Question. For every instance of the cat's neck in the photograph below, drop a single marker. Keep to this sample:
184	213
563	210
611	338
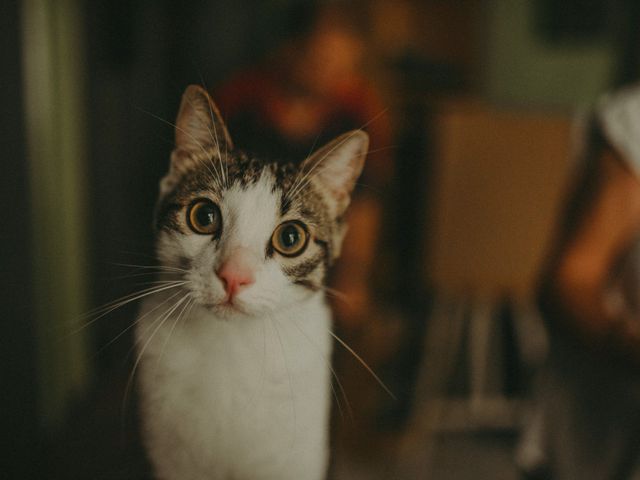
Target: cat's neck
202	336
202	321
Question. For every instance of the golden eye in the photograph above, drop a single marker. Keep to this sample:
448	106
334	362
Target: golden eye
290	238
203	217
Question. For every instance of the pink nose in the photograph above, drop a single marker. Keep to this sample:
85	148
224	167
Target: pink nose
236	272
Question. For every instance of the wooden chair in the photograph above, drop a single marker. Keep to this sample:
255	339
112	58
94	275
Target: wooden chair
498	185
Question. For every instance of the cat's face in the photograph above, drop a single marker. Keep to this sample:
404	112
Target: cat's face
250	237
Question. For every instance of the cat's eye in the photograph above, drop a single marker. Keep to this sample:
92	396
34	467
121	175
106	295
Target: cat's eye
290	238
203	217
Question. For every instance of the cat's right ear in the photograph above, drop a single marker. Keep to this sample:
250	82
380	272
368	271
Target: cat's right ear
199	124
199	127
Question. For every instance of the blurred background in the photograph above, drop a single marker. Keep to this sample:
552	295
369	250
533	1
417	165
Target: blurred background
470	104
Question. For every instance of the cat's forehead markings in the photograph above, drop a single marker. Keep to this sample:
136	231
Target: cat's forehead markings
246	170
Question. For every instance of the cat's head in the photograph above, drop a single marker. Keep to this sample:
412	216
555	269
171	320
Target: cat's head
250	236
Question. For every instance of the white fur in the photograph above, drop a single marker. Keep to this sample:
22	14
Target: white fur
231	394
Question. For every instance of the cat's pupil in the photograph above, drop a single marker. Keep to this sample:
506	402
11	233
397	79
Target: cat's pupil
290	236
206	215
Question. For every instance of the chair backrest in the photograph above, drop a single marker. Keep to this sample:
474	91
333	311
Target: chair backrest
499	177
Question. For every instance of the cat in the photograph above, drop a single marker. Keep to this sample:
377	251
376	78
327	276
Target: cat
234	355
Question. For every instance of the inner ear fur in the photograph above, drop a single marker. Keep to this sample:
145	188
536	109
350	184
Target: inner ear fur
199	127
199	124
335	168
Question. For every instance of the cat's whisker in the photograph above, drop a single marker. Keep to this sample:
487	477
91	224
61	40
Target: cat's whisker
115	305
128	296
167	312
152	267
298	185
160	282
333	372
337	400
311	174
226	164
149	270
160	321
306	180
286	366
188	304
145	274
297	177
146	328
137	255
262	365
382	149
332	292
302	183
181	130
214	137
219	174
133	324
192	137
363	363
311	150
369	188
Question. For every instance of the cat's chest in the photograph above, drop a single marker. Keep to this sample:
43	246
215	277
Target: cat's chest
241	388
225	362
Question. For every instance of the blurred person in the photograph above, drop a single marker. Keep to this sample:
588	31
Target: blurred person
310	90
586	422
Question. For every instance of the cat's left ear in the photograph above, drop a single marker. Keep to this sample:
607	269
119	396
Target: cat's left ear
335	168
199	123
